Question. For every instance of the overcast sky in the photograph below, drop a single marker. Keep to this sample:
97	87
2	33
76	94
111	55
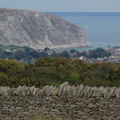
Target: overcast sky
63	5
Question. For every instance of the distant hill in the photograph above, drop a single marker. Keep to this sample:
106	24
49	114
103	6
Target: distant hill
84	13
38	30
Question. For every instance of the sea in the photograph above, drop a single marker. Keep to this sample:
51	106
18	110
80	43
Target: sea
101	29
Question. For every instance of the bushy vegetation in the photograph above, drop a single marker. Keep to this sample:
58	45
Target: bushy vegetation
54	71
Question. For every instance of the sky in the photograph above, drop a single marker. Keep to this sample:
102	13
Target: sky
63	5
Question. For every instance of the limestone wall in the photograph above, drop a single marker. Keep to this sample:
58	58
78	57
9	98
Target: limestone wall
75	103
63	90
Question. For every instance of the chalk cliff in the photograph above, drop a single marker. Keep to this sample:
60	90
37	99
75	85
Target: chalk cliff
38	30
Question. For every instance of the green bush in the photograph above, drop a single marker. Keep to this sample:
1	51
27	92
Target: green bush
4	80
54	71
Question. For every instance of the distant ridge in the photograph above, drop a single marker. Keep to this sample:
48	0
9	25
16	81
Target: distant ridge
84	13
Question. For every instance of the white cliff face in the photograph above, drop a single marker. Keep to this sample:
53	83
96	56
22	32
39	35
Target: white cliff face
38	30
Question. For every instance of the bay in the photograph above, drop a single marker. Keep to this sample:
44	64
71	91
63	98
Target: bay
101	31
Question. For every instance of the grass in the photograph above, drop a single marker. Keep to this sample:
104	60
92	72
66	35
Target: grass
12	47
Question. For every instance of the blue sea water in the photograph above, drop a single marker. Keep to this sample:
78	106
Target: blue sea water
101	29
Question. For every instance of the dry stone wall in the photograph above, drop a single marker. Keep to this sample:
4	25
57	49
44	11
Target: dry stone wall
75	103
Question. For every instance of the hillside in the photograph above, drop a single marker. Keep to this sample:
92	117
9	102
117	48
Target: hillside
38	30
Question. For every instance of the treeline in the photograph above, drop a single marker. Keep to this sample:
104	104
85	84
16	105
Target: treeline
18	53
26	53
95	53
54	71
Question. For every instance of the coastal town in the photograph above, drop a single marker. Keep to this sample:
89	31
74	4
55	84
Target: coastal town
29	55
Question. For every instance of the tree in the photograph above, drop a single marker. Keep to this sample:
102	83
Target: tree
64	54
19	55
4	79
43	54
27	49
72	51
34	54
11	66
7	53
98	53
46	49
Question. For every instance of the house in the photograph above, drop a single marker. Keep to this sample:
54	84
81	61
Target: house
115	58
8	50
